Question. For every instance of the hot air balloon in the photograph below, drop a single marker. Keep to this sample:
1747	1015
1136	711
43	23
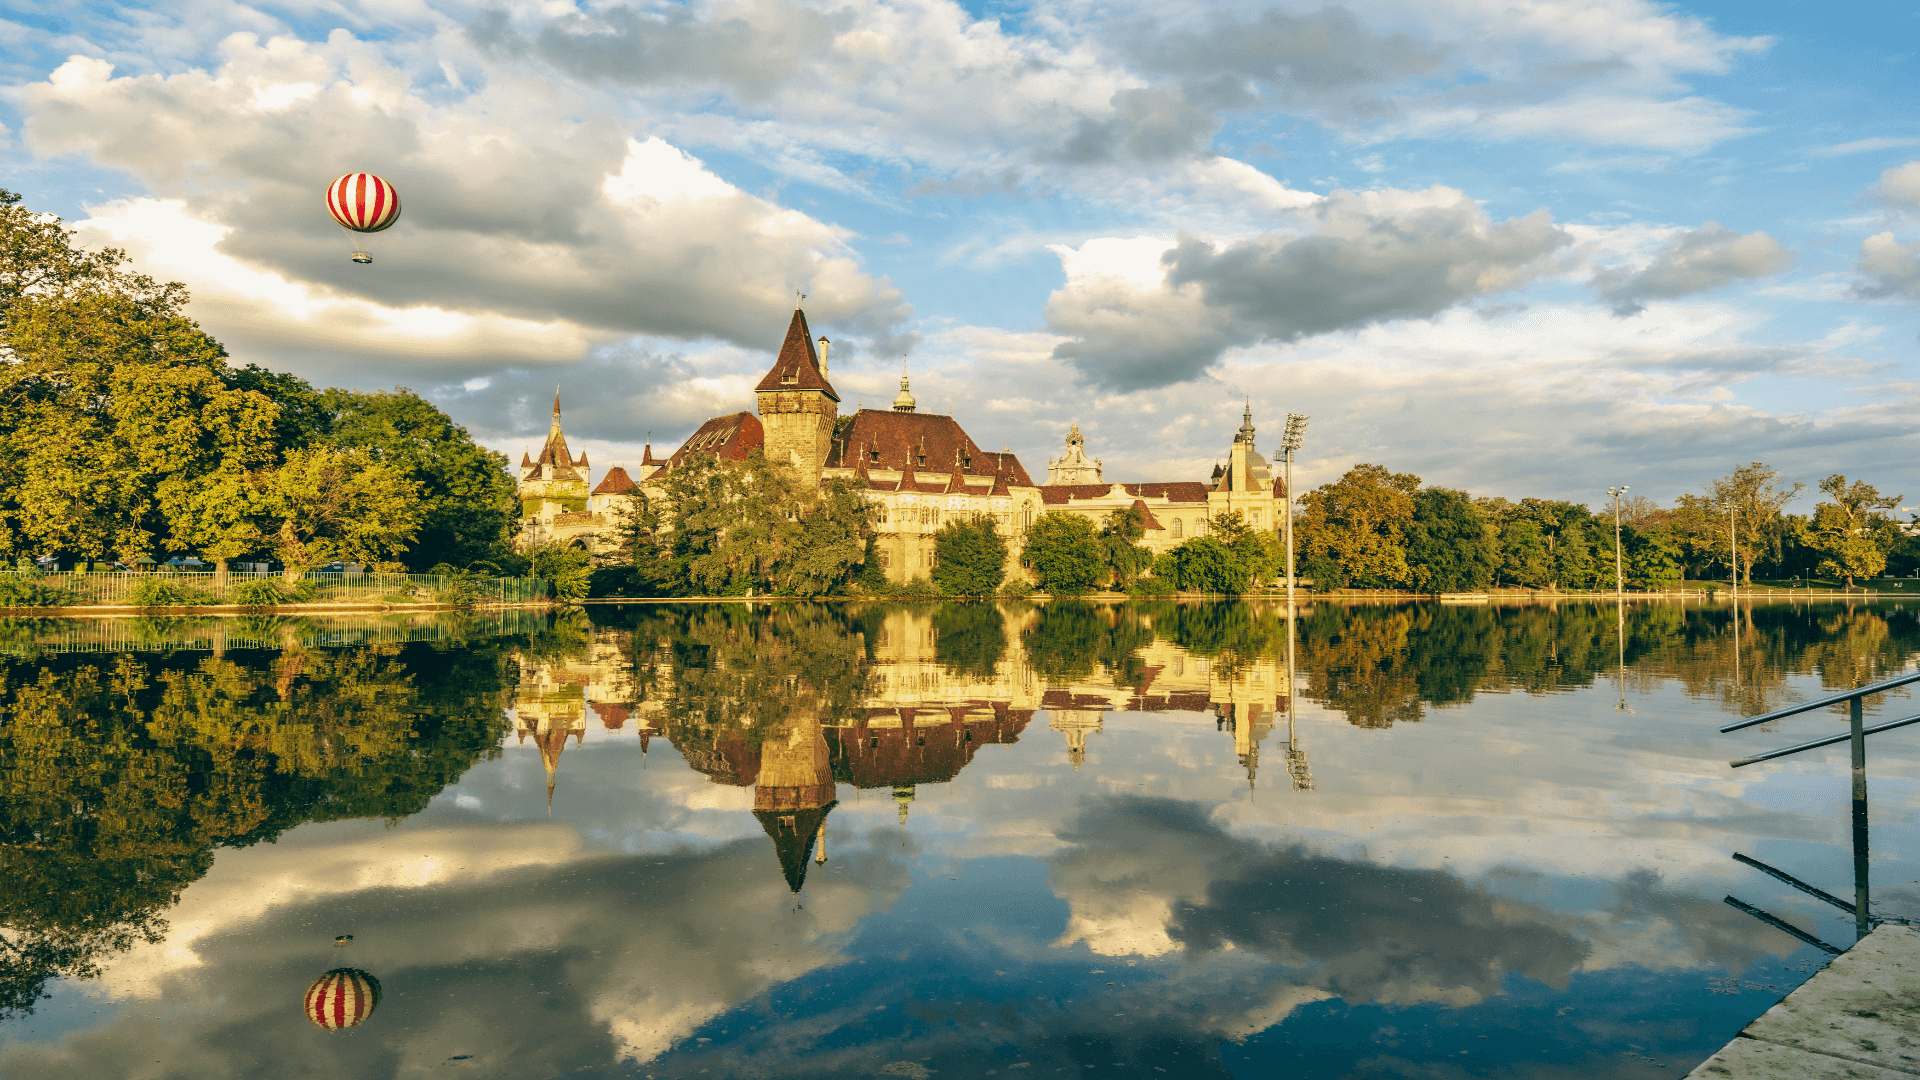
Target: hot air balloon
363	203
342	997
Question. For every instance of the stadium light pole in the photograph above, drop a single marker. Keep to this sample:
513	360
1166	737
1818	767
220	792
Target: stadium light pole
1289	442
1619	599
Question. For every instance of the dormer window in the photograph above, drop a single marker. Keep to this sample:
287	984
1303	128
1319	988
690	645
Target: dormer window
792	376
873	455
922	459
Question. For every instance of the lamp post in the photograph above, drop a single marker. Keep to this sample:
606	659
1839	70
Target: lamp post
1290	441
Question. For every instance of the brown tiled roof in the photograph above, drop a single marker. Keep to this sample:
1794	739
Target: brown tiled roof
902	440
1177	491
615	482
732	436
554	452
1151	522
612	715
798	366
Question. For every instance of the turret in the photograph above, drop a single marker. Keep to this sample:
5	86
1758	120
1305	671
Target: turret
798	406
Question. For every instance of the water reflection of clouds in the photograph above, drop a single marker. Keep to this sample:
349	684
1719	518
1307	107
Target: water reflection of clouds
530	969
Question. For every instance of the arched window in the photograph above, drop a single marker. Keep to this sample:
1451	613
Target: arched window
1026	519
1177	534
1200	526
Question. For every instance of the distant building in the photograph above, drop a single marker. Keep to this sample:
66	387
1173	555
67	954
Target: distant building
923	469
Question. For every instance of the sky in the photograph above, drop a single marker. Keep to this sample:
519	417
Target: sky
1519	248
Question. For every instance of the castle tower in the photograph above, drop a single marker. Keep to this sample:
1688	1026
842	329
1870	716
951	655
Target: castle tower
556	481
798	406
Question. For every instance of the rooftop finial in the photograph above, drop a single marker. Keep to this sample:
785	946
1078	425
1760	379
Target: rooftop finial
798	299
1246	424
905	402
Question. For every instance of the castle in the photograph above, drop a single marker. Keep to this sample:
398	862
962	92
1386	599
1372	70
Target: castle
919	469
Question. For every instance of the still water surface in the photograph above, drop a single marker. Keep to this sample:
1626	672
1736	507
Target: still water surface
928	841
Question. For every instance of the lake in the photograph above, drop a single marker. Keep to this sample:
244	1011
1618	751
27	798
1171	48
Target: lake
959	840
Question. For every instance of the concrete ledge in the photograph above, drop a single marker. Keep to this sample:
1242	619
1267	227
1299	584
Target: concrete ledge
1858	1017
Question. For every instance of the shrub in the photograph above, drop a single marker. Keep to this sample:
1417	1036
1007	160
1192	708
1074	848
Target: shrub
918	589
1150	586
259	593
1016	587
32	589
1206	565
157	591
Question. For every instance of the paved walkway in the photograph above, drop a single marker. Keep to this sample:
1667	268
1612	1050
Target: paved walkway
1859	1017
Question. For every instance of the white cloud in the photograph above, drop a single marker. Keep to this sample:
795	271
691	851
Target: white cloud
1888	269
1900	185
1710	257
1358	258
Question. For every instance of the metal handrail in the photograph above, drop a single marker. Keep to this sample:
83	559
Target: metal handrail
1821	703
1828	741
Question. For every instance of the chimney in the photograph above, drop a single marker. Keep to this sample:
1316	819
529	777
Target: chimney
824	345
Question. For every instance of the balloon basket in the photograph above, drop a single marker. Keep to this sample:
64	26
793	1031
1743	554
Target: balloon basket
363	256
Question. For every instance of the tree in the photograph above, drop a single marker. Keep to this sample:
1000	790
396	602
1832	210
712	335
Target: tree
326	504
467	496
970	557
1652	558
1356	522
1448	543
1853	532
826	546
723	523
567	570
1256	550
1204	564
1064	552
970	639
1120	536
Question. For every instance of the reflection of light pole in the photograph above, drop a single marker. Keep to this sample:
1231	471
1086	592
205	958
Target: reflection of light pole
1296	757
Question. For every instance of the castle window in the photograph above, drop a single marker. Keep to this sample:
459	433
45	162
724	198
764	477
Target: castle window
1026	519
1256	519
1199	526
886	562
1177	529
873	455
921	459
792	376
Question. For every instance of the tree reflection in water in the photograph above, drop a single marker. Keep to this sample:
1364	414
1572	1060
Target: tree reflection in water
125	774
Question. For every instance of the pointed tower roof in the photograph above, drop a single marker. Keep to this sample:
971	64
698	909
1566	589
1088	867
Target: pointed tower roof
798	365
1245	434
555	452
794	842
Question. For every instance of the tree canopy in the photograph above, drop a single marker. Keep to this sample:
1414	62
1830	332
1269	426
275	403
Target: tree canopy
125	433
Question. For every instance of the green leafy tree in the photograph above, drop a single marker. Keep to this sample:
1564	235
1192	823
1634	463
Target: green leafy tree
567	570
1064	552
970	557
1357	522
325	504
1120	536
467	496
1853	532
824	544
1448	543
1204	564
1652	557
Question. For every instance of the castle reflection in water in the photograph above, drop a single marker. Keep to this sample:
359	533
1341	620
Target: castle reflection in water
913	718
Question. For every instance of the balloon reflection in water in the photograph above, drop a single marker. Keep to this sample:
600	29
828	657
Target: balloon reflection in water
342	997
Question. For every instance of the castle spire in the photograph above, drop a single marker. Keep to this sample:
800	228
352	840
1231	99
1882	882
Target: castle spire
905	402
1246	425
554	428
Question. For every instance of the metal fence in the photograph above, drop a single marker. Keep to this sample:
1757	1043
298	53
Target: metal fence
170	588
31	636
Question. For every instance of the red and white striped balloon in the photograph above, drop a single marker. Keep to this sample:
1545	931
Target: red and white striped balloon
342	997
363	202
